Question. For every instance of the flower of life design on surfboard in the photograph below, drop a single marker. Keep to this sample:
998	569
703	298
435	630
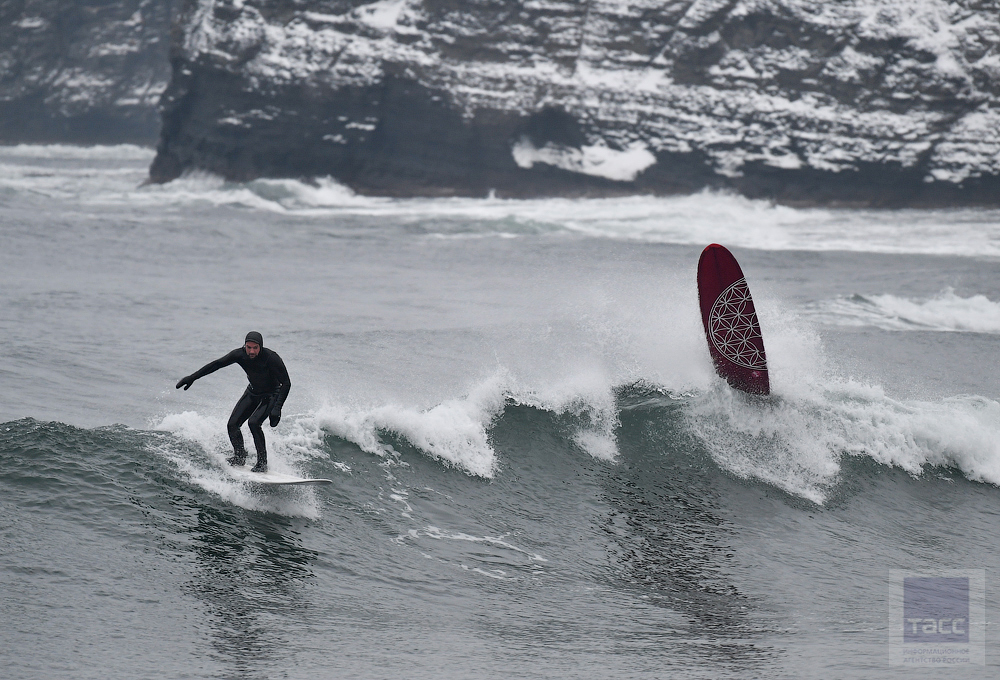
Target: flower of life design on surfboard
734	327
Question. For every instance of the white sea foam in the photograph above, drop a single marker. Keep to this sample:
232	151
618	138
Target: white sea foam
692	220
454	431
587	396
457	431
945	311
796	439
207	470
87	181
116	152
797	443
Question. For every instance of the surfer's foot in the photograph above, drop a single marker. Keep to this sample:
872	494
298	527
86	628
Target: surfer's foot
259	467
237	460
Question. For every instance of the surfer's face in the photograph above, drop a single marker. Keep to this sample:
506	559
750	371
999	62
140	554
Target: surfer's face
252	349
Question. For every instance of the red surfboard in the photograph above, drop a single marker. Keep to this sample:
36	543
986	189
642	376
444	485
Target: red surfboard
731	326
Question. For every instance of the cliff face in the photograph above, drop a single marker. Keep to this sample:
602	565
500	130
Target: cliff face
82	71
863	102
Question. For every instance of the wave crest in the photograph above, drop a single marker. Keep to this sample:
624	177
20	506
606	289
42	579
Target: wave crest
946	311
796	443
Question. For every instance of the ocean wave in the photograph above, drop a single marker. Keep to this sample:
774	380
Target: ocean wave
797	439
946	311
457	431
115	152
104	177
694	219
797	442
454	431
680	219
205	465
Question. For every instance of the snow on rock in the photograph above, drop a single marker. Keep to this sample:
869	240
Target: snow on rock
82	72
854	102
597	160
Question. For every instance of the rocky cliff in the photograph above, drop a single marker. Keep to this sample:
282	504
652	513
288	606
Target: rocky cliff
858	102
82	71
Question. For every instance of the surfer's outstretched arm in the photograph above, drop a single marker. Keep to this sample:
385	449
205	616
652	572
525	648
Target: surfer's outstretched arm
211	367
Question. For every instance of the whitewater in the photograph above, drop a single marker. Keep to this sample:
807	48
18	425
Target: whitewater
536	471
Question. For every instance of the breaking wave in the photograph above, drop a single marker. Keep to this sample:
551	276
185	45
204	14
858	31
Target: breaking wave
946	311
105	177
115	152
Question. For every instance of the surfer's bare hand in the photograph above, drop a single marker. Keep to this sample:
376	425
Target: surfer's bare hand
185	382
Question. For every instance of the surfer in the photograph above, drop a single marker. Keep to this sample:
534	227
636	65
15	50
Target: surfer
263	398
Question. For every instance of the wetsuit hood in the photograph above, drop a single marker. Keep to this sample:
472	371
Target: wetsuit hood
254	336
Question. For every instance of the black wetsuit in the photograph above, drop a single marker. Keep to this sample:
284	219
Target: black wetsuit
268	389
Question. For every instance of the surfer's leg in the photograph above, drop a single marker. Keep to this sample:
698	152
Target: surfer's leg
244	407
256	423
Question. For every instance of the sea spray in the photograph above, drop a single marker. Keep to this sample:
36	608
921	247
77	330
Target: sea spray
796	441
454	431
457	431
205	465
765	439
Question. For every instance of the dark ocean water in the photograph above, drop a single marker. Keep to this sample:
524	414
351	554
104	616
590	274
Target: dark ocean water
536	472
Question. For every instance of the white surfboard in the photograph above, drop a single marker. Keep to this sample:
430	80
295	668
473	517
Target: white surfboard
271	478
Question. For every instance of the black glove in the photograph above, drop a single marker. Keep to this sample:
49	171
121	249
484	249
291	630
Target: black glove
275	417
185	382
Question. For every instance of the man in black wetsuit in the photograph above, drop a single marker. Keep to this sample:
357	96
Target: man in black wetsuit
268	389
